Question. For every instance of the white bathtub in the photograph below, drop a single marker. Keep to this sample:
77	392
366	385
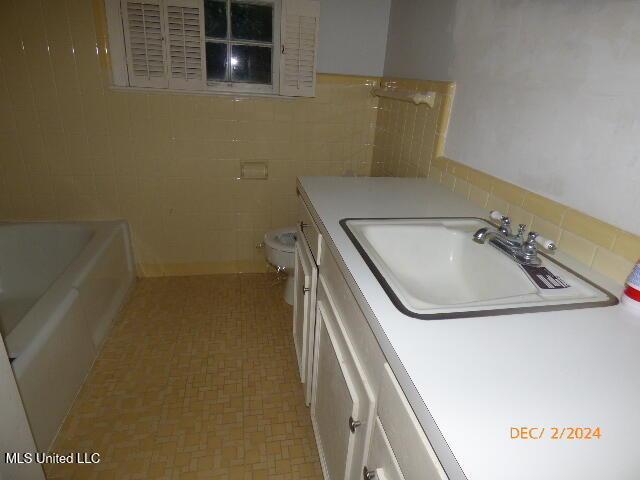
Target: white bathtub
61	285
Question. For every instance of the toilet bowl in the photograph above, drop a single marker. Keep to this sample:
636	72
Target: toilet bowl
279	247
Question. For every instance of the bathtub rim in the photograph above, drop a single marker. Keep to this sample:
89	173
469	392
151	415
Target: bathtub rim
31	326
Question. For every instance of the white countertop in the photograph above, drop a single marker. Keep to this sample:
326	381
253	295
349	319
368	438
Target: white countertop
471	380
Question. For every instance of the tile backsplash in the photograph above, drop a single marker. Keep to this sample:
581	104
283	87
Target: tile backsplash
74	148
605	248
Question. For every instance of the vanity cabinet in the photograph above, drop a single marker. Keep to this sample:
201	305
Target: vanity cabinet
363	422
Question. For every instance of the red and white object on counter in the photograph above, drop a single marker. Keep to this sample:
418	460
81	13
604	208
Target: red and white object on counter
631	294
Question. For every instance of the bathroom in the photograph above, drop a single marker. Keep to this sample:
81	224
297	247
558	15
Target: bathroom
217	247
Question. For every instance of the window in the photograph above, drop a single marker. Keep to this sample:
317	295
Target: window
242	46
239	39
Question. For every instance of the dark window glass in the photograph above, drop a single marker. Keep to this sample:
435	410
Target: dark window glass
250	63
216	61
215	14
252	22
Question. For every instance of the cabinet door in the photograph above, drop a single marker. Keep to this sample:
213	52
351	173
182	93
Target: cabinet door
342	401
306	275
302	282
381	459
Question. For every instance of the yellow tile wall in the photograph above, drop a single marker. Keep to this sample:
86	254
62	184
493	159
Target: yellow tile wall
409	136
402	126
72	148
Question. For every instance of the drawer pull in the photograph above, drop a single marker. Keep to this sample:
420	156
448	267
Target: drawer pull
304	225
368	474
306	289
353	424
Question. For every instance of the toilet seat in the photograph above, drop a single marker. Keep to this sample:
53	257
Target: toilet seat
282	239
279	248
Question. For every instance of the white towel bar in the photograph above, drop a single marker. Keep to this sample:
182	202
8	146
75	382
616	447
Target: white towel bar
416	98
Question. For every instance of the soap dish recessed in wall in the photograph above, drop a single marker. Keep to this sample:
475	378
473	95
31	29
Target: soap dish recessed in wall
254	171
417	98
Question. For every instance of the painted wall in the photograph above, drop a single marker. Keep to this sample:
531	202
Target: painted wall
547	92
71	148
420	39
353	36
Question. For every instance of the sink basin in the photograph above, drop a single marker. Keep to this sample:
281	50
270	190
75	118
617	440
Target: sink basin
431	268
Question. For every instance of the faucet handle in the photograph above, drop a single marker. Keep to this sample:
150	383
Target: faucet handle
505	222
529	245
522	227
545	243
505	226
495	215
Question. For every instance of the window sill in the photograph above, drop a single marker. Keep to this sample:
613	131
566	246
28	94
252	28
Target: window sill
172	91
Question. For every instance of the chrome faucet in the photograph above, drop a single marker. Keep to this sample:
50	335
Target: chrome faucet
522	250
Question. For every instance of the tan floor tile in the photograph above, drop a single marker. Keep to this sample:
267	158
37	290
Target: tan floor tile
197	380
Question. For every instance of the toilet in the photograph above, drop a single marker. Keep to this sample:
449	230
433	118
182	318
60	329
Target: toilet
279	247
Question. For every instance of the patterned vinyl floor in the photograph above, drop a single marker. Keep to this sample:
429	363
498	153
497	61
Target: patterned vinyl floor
197	380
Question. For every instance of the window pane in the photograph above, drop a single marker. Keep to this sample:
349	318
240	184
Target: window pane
250	64
216	61
215	14
252	22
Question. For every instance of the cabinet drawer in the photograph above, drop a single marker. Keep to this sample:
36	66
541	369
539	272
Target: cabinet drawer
410	445
309	230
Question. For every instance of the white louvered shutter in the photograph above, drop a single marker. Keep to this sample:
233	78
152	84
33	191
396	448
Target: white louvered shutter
299	38
185	35
144	32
